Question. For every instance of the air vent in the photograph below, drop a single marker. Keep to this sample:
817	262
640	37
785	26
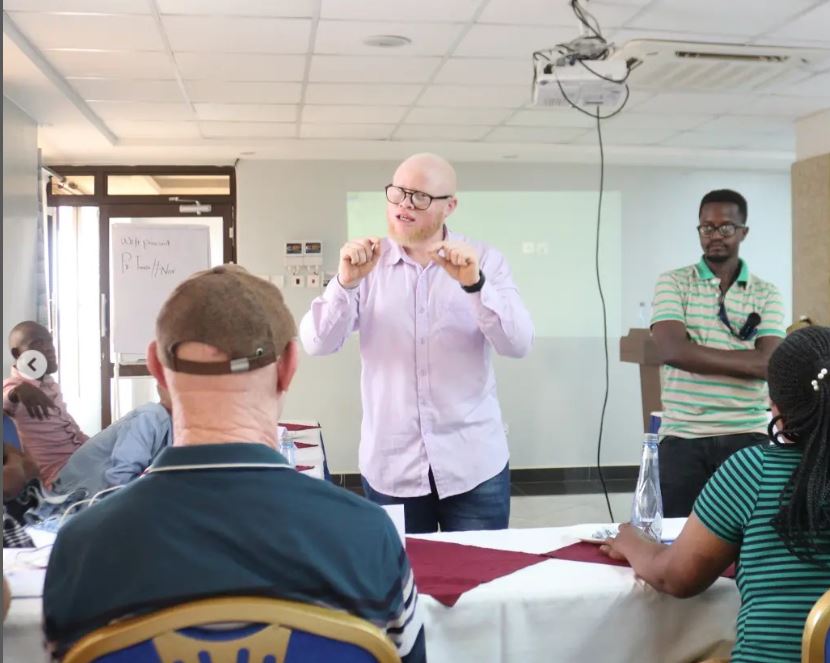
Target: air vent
702	67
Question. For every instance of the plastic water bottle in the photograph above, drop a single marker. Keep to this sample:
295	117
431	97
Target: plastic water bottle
288	450
647	509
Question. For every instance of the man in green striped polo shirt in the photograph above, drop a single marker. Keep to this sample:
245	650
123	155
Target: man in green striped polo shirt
715	326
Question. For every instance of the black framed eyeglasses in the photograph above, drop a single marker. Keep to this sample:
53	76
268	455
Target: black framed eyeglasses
724	230
420	200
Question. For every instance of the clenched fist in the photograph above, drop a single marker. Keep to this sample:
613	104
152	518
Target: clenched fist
459	260
358	257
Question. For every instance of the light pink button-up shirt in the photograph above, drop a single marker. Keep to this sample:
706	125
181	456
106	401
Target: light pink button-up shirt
428	386
51	441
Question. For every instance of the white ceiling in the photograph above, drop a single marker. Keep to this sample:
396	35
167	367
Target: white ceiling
124	81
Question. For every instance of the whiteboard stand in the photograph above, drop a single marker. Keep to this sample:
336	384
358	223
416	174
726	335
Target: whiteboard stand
116	390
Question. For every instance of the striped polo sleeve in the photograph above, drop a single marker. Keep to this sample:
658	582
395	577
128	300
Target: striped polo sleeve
772	316
667	303
726	503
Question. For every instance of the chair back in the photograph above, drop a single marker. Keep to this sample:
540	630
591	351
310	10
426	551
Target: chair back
10	435
815	645
237	630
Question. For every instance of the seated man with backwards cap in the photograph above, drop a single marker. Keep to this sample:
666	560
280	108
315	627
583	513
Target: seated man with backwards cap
220	513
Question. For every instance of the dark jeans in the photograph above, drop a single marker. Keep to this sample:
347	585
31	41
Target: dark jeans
687	463
487	506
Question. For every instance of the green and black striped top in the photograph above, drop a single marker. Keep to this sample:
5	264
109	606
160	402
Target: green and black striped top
702	405
777	589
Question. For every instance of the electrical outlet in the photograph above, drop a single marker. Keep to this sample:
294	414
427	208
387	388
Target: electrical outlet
297	281
542	249
313	281
528	247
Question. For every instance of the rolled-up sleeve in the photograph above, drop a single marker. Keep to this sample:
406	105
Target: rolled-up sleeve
137	445
502	316
331	318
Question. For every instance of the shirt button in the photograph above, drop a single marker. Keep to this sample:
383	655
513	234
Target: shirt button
423	340
422	310
423	374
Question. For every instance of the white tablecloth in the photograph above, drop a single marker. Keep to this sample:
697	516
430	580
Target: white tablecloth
551	612
573	612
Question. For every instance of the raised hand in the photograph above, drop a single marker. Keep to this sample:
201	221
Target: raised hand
358	257
37	403
459	260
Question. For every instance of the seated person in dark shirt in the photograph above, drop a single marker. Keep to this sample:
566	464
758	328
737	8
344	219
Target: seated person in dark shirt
220	513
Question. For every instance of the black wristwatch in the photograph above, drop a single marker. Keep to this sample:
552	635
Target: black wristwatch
478	285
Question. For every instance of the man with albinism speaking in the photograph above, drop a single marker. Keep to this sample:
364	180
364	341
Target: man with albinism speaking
430	306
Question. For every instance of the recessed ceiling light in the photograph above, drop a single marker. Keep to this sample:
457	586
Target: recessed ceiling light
387	41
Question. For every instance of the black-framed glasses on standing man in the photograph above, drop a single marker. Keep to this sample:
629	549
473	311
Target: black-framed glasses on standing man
420	200
724	230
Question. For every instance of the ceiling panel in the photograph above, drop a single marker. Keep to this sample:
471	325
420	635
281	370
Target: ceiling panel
626	136
151	65
493	96
230	92
551	117
248	129
365	131
400	10
241	66
769	141
812	86
284	8
126	110
632	120
439	132
138	129
346	37
352	114
350	93
624	35
748	123
815	24
109	89
237	35
485	71
784	106
105	6
485	116
723	140
90	31
247	112
545	12
355	69
689	103
534	135
512	42
744	17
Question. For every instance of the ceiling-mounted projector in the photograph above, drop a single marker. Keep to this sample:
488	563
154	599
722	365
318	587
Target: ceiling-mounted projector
598	84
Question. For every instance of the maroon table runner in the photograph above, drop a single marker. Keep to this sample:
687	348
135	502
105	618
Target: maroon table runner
445	570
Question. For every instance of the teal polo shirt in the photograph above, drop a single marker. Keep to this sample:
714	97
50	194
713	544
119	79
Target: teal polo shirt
239	521
697	405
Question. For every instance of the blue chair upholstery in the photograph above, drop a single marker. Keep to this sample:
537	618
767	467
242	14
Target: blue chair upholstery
10	435
237	630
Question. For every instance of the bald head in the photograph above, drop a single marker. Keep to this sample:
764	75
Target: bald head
427	172
24	333
30	335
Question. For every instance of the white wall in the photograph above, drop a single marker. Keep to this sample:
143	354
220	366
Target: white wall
20	209
551	400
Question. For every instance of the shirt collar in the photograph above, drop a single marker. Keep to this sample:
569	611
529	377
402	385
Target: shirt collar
46	380
394	252
705	273
217	454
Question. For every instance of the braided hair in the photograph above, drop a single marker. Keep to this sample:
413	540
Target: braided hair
799	385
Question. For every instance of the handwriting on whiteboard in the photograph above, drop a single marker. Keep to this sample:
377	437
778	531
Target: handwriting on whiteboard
152	266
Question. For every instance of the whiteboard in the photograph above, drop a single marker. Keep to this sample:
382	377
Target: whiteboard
147	261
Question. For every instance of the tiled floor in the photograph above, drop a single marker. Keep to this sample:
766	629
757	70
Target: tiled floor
561	510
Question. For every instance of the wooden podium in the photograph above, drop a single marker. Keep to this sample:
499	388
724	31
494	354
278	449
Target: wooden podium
637	347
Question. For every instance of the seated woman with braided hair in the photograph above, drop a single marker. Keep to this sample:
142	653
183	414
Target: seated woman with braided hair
767	508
